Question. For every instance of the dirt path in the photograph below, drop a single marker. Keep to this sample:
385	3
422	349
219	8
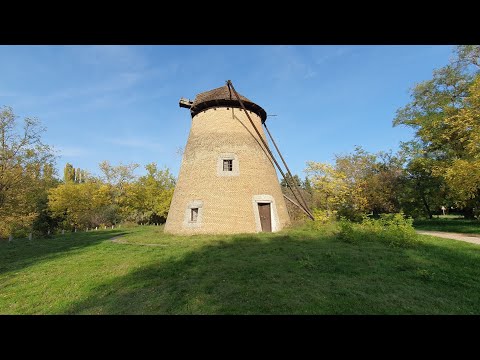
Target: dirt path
471	238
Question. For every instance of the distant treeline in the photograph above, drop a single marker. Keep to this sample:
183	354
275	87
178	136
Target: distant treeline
34	199
438	169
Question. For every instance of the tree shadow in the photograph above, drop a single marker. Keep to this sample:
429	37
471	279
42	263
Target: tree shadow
21	253
296	274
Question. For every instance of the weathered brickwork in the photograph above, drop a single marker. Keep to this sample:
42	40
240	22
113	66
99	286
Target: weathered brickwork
226	200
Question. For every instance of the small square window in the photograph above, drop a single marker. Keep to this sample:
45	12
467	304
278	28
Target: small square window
227	165
193	214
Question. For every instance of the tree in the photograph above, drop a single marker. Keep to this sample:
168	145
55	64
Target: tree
292	181
294	211
358	183
330	186
118	178
68	173
26	165
118	175
420	191
444	112
149	198
87	204
462	173
307	186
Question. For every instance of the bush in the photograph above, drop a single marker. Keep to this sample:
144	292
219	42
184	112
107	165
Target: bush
347	232
394	229
322	218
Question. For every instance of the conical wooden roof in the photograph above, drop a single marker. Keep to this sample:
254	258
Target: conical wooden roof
224	96
221	93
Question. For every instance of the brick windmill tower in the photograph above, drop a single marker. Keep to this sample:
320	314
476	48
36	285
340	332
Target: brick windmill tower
227	181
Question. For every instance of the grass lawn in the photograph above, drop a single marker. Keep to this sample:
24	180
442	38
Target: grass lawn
292	272
453	224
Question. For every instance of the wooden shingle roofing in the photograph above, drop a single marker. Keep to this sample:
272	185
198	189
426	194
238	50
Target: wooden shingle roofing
224	97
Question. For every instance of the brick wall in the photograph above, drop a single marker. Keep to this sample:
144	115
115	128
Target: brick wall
226	200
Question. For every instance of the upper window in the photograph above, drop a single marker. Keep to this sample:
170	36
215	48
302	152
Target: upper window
194	214
227	165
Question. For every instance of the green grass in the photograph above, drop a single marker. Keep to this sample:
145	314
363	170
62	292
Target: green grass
299	271
452	224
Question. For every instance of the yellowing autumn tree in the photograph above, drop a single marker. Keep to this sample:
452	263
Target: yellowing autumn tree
81	205
462	174
26	172
331	190
149	198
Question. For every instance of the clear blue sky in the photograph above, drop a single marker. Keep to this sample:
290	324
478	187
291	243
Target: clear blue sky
120	103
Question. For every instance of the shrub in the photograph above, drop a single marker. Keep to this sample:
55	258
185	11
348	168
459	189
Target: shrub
347	232
394	229
324	220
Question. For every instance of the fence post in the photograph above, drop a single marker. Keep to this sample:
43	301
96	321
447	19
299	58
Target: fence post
63	231
112	227
96	228
30	236
10	237
75	229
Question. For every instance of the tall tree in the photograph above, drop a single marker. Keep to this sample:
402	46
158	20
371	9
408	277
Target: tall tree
68	173
24	162
118	178
444	114
292	181
420	192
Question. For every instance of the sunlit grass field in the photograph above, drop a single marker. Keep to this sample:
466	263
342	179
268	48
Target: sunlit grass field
296	271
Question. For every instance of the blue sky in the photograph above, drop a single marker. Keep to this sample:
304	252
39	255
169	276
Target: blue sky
120	103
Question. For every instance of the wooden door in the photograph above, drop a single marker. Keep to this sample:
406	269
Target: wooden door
265	217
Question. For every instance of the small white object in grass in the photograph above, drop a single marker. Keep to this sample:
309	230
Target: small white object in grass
96	228
48	232
10	237
30	236
63	231
75	229
112	227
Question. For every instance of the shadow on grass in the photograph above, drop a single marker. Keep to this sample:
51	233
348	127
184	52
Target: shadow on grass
22	253
297	274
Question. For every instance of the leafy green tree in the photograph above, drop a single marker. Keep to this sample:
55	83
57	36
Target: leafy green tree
295	180
444	114
307	186
421	193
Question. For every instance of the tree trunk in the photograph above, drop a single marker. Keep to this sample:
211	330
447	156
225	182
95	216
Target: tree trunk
468	213
425	203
